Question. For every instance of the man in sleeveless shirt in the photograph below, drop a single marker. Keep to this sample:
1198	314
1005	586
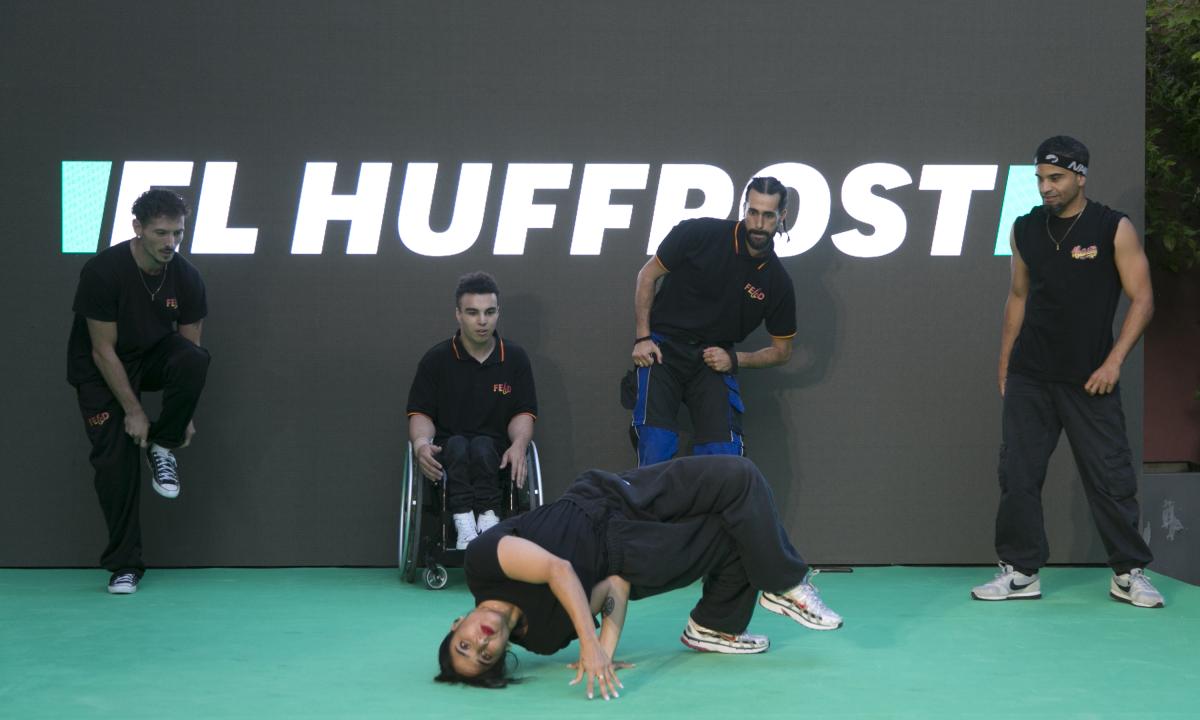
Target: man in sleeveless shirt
720	280
138	309
1059	370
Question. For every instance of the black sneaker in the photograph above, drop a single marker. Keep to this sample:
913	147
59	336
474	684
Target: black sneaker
123	583
164	475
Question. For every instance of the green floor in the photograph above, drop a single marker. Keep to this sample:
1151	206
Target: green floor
350	643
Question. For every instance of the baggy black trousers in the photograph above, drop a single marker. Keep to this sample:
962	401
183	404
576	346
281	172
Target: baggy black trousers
472	467
1035	415
710	517
178	368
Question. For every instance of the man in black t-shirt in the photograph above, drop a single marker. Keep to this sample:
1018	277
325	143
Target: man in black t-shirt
138	309
720	279
471	410
1059	367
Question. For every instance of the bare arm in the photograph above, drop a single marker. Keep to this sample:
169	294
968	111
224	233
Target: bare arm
610	598
191	331
520	433
1014	309
779	352
420	433
1134	270
646	353
527	562
104	354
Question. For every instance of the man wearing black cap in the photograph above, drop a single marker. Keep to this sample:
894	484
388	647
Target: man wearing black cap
1059	368
720	279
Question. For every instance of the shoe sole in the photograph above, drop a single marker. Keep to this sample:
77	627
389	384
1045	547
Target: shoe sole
1128	600
787	611
122	591
160	489
705	646
1015	596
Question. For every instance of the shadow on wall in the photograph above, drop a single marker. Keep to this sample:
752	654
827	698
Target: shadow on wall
765	392
525	314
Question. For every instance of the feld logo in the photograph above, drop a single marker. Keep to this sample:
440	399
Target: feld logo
502	388
754	292
85	197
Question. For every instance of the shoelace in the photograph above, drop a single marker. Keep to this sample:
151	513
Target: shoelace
164	467
812	600
1138	581
125	579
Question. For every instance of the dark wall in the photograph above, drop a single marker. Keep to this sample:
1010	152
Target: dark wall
880	436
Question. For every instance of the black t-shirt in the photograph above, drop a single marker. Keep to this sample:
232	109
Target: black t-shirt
1074	290
715	291
112	288
563	529
463	396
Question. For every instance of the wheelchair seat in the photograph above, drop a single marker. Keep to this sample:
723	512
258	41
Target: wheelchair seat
427	535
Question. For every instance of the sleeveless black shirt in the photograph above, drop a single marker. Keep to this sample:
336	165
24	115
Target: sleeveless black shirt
1074	290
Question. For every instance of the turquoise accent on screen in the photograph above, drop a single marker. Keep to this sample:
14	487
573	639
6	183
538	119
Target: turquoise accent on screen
84	190
1020	195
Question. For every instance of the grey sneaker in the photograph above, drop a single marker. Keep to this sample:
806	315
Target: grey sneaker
802	604
698	637
123	583
1134	588
164	474
1009	585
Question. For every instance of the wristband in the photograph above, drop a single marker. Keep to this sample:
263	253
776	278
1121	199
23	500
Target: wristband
643	339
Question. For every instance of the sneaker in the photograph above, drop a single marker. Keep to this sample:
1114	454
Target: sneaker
464	523
487	521
1009	584
802	604
164	476
1134	588
698	637
123	583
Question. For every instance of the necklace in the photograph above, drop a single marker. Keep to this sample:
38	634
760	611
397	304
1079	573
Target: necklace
1058	243
162	282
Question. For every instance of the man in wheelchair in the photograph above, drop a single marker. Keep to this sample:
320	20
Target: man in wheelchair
471	410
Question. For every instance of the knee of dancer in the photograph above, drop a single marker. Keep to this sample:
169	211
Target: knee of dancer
655	444
194	361
455	446
481	447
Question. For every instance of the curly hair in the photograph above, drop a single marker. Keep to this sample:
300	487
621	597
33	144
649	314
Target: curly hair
159	203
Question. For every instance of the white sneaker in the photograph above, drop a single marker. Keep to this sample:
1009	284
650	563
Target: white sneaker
1134	588
1009	585
698	637
464	523
802	604
487	521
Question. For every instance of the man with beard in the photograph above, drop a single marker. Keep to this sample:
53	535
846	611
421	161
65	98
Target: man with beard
720	279
1059	367
138	308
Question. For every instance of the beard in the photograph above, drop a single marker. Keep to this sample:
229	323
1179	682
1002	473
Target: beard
759	240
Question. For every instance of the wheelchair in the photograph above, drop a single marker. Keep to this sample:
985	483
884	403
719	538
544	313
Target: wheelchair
427	534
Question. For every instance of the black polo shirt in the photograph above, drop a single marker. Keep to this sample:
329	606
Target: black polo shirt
146	309
715	291
463	396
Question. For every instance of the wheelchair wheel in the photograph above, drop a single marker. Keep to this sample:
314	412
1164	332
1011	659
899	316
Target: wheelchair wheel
410	519
533	483
436	577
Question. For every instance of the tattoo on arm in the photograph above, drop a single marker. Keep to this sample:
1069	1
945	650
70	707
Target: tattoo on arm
609	605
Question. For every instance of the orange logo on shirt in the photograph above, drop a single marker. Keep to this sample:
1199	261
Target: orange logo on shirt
754	292
502	388
171	303
98	419
1084	253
